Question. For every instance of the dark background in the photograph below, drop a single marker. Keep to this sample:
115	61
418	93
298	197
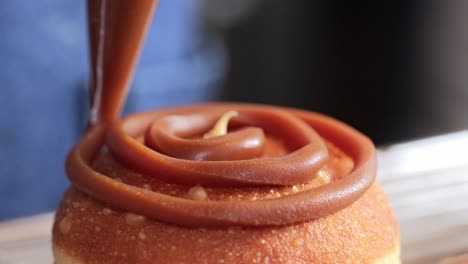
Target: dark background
358	61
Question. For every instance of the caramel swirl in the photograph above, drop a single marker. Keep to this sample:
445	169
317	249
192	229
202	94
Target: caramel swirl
169	145
210	168
169	134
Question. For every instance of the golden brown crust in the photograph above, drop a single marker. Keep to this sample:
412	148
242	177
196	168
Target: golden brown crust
364	232
63	257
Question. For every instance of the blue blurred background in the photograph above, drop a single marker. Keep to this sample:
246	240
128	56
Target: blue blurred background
44	95
395	70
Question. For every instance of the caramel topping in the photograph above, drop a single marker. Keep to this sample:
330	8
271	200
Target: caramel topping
230	160
305	149
173	136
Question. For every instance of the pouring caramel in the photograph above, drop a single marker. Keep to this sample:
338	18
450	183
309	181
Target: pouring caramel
117	29
221	145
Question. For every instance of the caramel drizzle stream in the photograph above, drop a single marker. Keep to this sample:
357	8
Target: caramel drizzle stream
117	29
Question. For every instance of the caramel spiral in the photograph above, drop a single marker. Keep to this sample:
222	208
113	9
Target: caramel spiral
167	145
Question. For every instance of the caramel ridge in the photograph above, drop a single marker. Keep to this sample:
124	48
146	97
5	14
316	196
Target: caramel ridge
169	136
302	206
300	166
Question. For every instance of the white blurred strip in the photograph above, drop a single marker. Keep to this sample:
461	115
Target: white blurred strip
430	154
33	227
427	183
26	240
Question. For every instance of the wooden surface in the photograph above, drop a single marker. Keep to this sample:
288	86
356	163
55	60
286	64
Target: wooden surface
426	180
